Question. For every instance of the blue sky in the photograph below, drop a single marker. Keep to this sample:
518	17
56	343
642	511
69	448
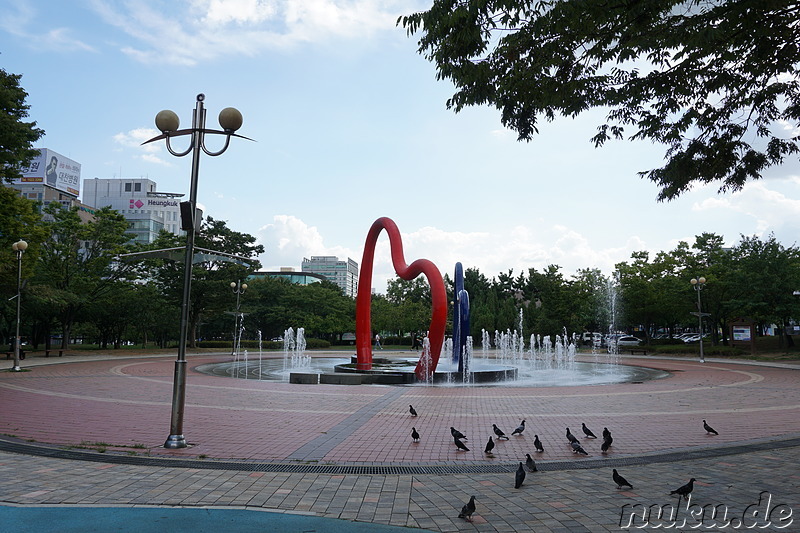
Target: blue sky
351	125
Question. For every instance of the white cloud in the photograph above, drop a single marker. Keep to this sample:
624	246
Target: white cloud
221	12
18	18
768	209
288	240
186	32
149	152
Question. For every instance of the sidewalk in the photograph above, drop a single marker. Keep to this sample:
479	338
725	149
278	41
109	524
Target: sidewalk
345	453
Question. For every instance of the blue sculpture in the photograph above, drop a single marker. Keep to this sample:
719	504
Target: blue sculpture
460	318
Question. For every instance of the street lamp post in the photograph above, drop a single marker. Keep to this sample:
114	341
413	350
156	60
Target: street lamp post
698	284
230	119
19	248
238	289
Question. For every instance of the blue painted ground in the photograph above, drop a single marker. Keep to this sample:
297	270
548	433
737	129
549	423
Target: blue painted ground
69	519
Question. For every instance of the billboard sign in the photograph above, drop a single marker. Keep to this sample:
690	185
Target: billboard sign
53	169
741	333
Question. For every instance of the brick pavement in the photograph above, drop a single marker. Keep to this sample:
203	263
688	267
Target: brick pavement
124	404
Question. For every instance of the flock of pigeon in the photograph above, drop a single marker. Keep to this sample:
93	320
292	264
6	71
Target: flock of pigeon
530	465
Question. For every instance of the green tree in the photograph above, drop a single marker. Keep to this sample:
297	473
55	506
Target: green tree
19	219
765	276
16	135
713	261
76	261
482	303
591	290
638	282
274	305
211	273
411	306
712	80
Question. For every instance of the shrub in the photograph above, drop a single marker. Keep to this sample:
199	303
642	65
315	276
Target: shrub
666	342
248	344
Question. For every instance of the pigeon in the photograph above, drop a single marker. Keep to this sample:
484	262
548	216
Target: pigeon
588	432
619	480
606	433
606	444
412	410
530	463
520	429
684	490
457	434
538	444
577	448
460	445
489	446
520	477
709	429
572	438
468	509
499	432
414	435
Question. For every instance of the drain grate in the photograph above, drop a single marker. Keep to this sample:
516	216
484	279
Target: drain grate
446	469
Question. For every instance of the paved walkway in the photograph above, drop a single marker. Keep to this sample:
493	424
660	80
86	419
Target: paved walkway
345	452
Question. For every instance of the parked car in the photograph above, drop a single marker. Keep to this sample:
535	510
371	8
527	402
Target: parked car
628	340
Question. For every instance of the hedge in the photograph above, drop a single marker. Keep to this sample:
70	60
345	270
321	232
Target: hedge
311	344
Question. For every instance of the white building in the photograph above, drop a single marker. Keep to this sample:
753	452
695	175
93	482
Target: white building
342	273
146	210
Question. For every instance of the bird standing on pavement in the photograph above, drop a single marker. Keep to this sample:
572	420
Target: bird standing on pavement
619	480
499	432
530	463
537	444
460	445
606	433
414	435
577	448
709	429
684	490
412	410
606	443
520	429
489	446
457	434
519	477
572	438
468	509
587	431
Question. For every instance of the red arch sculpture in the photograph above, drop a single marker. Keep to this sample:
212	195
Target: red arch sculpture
406	272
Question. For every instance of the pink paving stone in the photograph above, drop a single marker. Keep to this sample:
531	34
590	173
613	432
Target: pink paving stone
126	402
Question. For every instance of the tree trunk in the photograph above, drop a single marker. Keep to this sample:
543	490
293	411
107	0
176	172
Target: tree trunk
66	331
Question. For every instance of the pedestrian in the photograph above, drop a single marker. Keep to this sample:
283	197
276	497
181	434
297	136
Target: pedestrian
378	342
414	341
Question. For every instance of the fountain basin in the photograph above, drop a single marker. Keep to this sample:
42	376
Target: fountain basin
400	371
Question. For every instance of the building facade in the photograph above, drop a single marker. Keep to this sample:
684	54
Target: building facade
342	273
147	210
52	177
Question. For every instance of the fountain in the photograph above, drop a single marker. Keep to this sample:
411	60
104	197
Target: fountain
546	362
294	350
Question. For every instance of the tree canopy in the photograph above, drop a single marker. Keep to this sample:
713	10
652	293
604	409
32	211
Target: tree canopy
16	135
712	80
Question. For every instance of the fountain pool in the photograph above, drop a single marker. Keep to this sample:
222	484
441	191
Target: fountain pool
579	374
